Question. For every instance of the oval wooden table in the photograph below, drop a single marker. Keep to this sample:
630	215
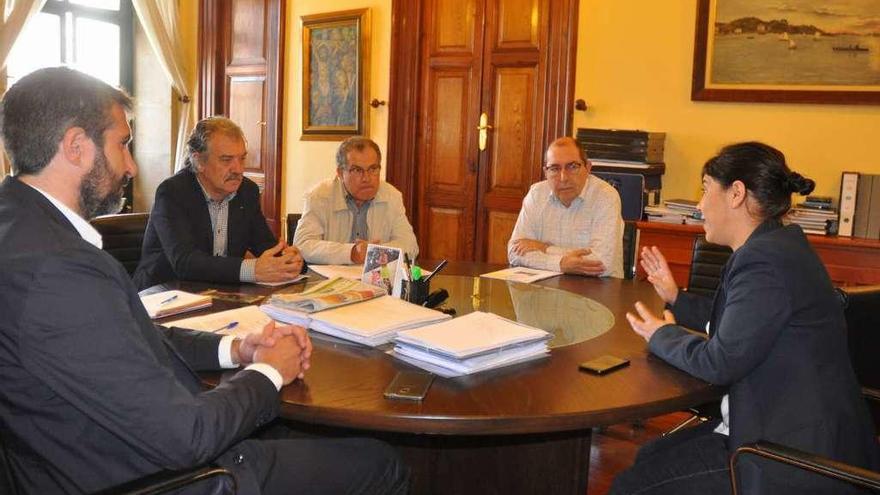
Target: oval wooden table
520	429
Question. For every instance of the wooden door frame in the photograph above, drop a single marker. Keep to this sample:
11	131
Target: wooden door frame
213	43
405	100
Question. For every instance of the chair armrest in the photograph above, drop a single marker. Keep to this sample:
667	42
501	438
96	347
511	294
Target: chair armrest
165	481
804	460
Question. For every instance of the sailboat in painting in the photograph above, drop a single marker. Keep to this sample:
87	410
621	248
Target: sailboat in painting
784	36
792	45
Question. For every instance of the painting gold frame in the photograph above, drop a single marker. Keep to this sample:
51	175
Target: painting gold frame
336	75
704	89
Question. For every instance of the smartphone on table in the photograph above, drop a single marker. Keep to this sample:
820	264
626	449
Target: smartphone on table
409	385
603	364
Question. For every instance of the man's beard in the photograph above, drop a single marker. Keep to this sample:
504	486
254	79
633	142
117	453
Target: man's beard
91	204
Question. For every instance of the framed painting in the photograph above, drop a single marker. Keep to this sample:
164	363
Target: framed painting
797	51
336	62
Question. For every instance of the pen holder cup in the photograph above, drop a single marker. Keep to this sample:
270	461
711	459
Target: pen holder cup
415	291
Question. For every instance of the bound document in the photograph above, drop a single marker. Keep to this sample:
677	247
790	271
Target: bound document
239	322
372	323
172	302
475	342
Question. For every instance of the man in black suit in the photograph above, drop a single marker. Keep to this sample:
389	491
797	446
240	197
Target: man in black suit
207	216
93	393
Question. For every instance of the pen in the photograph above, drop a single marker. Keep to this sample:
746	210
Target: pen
416	273
228	326
166	301
408	265
437	269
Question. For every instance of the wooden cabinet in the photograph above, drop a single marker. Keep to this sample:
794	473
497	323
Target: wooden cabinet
849	261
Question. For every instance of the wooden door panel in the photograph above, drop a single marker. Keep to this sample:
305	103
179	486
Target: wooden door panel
500	228
246	109
441	222
446	165
248	31
513	139
518	24
454	26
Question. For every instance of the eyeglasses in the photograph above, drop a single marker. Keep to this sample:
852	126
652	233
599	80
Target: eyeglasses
372	170
554	169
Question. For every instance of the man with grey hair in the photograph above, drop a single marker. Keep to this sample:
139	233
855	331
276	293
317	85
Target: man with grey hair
207	216
355	208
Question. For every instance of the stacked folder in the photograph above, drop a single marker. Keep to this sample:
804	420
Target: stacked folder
469	344
373	322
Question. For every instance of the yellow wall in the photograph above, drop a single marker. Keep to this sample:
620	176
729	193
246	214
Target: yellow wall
634	70
308	162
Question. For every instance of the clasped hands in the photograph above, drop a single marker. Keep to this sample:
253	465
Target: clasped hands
287	348
575	262
279	263
659	274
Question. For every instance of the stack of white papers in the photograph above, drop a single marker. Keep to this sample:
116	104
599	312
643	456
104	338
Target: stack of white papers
373	322
468	344
239	322
172	302
521	274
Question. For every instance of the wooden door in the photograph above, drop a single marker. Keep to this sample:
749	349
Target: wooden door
510	59
241	48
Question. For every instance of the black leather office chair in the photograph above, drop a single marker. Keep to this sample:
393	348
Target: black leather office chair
629	250
212	480
292	222
863	334
706	265
123	236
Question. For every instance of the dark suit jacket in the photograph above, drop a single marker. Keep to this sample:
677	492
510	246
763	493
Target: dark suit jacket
179	243
778	339
92	393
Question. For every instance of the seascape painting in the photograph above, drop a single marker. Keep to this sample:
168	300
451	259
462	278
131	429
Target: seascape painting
829	44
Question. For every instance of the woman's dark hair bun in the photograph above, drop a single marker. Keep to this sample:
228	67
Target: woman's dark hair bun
797	183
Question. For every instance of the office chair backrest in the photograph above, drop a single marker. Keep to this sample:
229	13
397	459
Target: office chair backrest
629	249
706	265
863	335
631	188
123	236
292	222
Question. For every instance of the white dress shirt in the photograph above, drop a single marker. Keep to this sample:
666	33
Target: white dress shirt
592	220
323	233
93	237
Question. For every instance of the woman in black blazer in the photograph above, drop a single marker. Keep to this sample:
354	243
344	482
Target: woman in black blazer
774	334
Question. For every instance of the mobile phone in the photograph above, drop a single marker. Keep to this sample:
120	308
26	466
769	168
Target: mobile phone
603	364
409	385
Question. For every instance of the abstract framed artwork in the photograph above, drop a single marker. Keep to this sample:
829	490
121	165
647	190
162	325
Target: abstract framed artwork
336	62
797	51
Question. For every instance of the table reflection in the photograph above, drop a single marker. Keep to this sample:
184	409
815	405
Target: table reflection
571	318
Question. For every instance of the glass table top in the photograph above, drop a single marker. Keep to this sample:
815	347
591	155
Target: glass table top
571	318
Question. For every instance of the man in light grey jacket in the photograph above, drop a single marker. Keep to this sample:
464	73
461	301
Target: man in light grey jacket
344	214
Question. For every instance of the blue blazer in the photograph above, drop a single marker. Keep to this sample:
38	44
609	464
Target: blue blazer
92	393
777	338
179	243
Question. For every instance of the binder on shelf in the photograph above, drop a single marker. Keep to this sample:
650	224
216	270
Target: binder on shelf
874	212
863	205
849	183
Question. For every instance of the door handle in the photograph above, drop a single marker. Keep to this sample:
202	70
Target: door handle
484	130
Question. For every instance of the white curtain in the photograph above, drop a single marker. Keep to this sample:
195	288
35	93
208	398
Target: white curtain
160	21
14	14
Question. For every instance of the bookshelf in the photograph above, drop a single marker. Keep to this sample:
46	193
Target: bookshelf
849	261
